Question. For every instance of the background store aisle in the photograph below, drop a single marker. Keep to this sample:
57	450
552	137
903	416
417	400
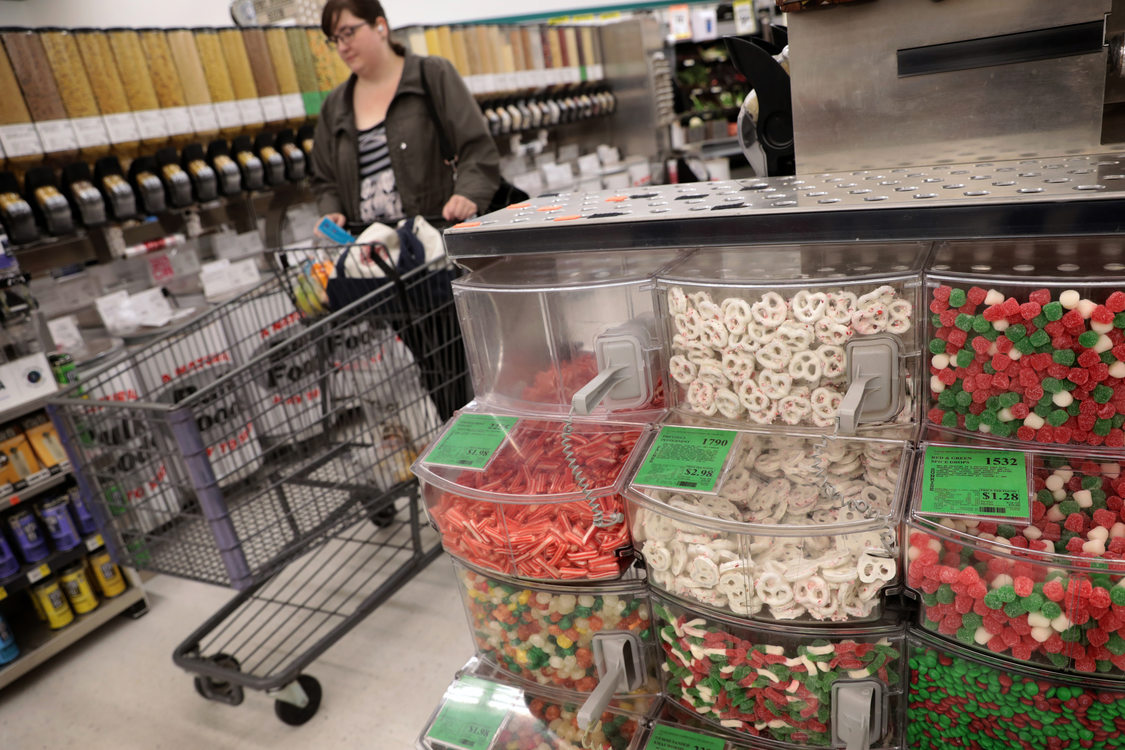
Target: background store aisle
121	690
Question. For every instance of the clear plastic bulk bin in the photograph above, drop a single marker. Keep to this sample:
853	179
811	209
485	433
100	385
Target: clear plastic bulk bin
549	634
1026	339
1049	590
958	698
528	513
534	718
811	335
539	328
799	528
784	687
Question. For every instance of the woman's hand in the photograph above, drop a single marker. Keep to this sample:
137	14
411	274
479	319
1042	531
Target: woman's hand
458	208
337	219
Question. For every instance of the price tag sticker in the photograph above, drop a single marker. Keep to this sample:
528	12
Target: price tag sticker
38	574
745	21
972	482
94	542
664	737
472	441
472	713
686	458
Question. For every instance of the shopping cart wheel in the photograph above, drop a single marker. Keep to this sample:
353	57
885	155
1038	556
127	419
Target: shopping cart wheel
384	517
295	716
220	690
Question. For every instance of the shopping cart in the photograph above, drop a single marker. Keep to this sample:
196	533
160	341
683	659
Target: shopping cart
266	446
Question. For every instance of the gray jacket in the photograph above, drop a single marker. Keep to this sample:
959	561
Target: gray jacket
425	182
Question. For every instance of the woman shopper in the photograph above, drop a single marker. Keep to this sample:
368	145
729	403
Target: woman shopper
376	153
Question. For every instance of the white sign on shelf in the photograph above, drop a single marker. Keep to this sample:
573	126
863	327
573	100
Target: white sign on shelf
178	120
745	20
65	333
57	135
151	124
90	131
122	127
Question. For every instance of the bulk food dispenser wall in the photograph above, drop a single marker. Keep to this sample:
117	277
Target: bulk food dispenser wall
824	587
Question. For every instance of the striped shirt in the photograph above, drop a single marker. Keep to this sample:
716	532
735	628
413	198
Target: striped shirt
378	195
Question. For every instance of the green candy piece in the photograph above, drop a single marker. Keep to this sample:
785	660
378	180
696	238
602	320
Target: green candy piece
1068	385
964	399
1051	610
1015	609
1053	311
1039	320
1035	602
1118	420
964	358
1046	497
1119	320
1042	411
1016	332
1009	399
964	322
1004	429
972	422
949	419
1064	357
945	594
1107	358
947	398
1074	409
988	369
1057	417
991	334
1116	644
1006	530
980	325
957	298
1102	427
1025	346
993	403
937	346
935	320
1090	483
1088	339
1058	660
1073	634
1007	594
1052	385
1066	507
1102	393
972	620
992	600
989	418
1046	400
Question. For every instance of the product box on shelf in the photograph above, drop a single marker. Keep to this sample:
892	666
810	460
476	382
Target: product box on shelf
796	527
551	634
1045	584
811	335
789	686
480	710
547	505
960	698
540	328
1026	339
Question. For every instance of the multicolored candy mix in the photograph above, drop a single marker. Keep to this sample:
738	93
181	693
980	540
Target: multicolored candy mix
1039	368
957	702
743	682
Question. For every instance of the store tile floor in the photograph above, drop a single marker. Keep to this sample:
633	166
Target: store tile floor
118	689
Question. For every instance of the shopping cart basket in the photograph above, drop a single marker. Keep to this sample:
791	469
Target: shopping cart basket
265	446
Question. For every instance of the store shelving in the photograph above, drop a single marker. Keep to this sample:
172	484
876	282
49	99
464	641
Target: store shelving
32	573
41	481
37	645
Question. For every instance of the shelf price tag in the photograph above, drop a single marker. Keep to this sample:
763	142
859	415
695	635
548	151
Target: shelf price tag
471	441
37	575
686	458
94	542
972	482
472	713
664	737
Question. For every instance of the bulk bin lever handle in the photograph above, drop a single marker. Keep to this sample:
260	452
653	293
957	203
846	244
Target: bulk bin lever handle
617	656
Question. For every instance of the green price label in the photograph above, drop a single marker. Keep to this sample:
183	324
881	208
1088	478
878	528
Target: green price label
664	737
686	458
975	482
471	441
472	713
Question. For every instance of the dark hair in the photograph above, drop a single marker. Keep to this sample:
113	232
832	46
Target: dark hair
367	10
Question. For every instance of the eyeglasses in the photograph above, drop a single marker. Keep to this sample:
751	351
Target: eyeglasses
345	34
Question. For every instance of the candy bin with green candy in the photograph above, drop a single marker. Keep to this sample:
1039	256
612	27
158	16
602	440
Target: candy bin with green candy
544	633
776	682
551	724
962	699
1048	590
1033	350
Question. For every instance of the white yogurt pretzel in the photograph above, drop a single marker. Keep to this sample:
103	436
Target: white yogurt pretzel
809	307
771	310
